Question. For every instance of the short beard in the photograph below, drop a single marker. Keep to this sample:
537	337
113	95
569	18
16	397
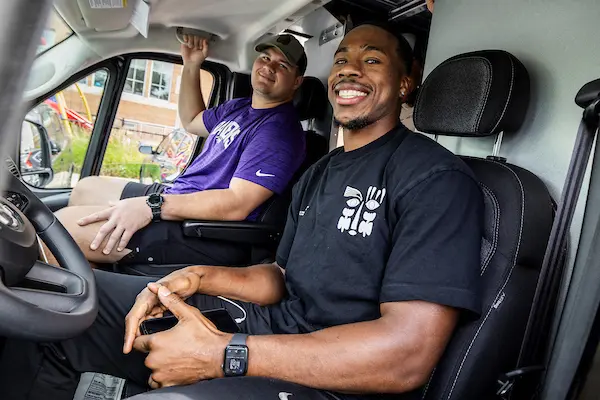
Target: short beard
355	124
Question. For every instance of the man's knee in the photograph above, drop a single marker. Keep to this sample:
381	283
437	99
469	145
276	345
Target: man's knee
83	235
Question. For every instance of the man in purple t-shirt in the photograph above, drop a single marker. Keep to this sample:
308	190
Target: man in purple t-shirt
254	147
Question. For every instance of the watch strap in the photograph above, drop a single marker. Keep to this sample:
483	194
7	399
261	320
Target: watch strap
155	208
155	213
238	339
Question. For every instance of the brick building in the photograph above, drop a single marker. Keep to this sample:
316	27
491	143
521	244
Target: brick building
149	99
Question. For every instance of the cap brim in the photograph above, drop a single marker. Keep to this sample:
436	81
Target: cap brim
263	46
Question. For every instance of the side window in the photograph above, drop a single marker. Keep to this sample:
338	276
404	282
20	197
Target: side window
147	143
63	123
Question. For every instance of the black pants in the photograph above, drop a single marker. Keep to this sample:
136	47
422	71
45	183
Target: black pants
33	371
163	242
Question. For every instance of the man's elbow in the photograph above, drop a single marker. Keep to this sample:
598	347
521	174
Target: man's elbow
186	125
411	380
190	127
411	374
235	214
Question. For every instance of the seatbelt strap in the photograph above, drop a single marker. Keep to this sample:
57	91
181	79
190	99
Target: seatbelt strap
552	270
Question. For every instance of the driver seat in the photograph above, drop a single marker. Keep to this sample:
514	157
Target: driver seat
474	95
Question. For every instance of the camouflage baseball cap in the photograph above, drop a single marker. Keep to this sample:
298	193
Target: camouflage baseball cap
289	46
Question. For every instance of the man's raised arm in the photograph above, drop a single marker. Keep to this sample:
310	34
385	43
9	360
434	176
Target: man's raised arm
191	104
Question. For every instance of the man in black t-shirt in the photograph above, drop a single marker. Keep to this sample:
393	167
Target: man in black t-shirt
379	257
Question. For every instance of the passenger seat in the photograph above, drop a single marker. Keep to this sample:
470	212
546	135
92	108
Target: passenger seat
262	236
475	95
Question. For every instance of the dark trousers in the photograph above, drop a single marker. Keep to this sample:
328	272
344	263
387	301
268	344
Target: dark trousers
36	371
163	242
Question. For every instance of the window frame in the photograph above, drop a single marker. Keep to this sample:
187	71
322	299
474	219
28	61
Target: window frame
117	68
113	67
222	77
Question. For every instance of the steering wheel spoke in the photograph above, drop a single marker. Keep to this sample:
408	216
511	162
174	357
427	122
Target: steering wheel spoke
58	302
42	274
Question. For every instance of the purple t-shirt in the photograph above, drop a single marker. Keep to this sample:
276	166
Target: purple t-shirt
264	146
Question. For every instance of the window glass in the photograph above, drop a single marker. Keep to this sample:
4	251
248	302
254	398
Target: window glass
136	77
151	120
55	31
67	119
100	78
162	73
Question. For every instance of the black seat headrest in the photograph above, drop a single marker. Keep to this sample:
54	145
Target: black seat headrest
474	94
240	85
311	99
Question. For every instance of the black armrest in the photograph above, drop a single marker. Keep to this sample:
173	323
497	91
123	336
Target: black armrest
233	231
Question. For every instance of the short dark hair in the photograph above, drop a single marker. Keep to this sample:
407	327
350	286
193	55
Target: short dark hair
404	50
302	63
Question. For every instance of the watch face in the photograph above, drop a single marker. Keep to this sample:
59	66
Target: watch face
155	199
236	360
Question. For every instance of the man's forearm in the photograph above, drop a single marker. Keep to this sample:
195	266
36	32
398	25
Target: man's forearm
215	204
260	284
379	356
190	102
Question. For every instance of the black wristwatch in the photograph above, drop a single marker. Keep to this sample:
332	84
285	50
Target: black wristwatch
155	202
235	362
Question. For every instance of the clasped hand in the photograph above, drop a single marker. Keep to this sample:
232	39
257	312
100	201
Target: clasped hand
187	353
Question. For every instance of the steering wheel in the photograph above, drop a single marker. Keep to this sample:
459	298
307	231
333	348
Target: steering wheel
39	301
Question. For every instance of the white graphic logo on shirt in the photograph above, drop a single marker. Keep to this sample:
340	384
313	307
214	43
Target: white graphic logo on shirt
258	173
284	395
353	219
226	132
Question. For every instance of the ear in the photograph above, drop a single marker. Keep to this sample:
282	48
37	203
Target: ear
298	82
430	5
406	87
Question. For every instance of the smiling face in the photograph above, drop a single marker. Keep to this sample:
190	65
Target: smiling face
367	78
274	77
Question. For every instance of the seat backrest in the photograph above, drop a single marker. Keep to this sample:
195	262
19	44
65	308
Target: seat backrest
240	86
481	94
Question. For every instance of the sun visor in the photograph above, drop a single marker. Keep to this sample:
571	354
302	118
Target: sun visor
107	15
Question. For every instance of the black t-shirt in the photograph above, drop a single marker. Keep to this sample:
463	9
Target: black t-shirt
398	219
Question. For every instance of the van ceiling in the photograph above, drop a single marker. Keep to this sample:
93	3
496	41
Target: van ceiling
235	19
224	18
238	24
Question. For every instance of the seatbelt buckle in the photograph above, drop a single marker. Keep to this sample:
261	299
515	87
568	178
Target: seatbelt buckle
507	381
